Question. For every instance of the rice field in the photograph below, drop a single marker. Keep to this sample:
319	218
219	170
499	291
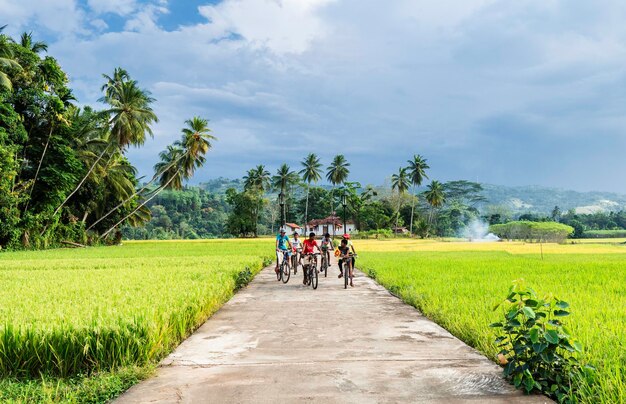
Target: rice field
80	312
457	284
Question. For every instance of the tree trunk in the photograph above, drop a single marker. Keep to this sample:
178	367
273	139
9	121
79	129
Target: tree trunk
412	213
43	154
138	207
398	214
306	209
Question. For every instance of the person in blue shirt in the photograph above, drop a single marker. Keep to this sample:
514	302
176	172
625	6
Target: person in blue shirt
282	244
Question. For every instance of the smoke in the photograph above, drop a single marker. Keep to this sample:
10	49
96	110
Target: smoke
477	230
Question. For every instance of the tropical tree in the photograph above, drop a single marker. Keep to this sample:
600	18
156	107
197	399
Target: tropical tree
257	181
337	173
311	172
400	183
283	180
196	141
417	172
6	61
435	197
26	40
130	118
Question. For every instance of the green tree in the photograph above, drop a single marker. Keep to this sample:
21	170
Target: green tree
400	183
6	61
435	196
311	172
26	40
284	180
417	172
257	181
337	173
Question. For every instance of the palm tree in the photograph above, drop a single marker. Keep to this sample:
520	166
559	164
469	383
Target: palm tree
283	179
119	76
417	173
196	141
310	173
131	117
6	61
257	180
26	40
435	197
337	173
400	182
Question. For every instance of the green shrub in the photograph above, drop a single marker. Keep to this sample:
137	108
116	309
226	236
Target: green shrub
532	231
604	234
537	350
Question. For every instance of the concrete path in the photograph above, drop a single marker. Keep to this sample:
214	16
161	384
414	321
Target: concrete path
276	343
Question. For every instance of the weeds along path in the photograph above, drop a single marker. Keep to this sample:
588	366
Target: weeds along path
288	343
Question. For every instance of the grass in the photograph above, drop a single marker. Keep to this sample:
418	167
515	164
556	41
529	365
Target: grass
457	284
90	322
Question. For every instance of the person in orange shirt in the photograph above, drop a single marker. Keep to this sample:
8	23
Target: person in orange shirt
308	249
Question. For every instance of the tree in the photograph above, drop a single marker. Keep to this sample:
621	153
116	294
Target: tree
6	61
400	183
26	40
337	173
435	196
556	214
257	181
284	179
310	173
417	172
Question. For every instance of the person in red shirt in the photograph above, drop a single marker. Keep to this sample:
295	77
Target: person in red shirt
308	249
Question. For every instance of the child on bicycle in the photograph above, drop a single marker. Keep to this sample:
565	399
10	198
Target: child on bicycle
282	241
296	244
308	249
327	245
344	256
346	238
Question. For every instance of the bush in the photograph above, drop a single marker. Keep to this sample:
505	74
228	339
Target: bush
604	234
532	231
538	352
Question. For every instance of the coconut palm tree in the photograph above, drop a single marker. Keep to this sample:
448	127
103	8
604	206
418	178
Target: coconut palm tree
6	61
284	179
417	172
257	180
311	172
119	76
130	119
26	40
195	141
435	196
337	173
400	182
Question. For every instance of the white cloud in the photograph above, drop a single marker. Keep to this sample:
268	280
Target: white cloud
62	17
120	7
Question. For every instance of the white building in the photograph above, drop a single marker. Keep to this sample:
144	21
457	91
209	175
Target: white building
291	228
332	225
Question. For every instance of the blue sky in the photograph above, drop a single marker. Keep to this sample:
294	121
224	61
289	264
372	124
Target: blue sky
516	93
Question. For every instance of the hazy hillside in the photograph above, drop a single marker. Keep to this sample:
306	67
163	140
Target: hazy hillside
543	200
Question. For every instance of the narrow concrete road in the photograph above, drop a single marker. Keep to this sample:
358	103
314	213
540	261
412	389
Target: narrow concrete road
276	343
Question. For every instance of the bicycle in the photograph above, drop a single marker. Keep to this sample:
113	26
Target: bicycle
284	271
311	271
295	258
348	271
324	263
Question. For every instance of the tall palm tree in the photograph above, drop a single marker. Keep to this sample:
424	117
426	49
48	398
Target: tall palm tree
195	142
417	172
257	180
435	196
337	173
130	118
283	179
6	61
120	75
311	172
400	182
26	40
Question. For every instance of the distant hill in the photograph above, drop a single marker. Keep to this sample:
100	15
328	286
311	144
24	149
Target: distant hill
542	199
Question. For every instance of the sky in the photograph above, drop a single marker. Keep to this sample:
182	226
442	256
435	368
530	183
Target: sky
503	92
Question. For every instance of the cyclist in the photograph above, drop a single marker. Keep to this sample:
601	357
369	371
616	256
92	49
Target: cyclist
308	249
344	254
327	245
346	238
282	245
296	244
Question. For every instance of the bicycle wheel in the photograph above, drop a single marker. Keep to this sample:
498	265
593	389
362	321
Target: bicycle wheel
346	275
313	277
279	272
325	267
286	272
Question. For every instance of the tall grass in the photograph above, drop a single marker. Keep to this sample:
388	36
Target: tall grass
457	287
77	312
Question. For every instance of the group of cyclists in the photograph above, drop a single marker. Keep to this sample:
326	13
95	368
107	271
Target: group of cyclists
303	253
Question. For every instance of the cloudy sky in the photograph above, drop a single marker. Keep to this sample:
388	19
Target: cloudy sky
508	92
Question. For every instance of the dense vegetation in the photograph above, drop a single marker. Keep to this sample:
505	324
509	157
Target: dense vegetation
94	312
532	231
446	281
64	175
